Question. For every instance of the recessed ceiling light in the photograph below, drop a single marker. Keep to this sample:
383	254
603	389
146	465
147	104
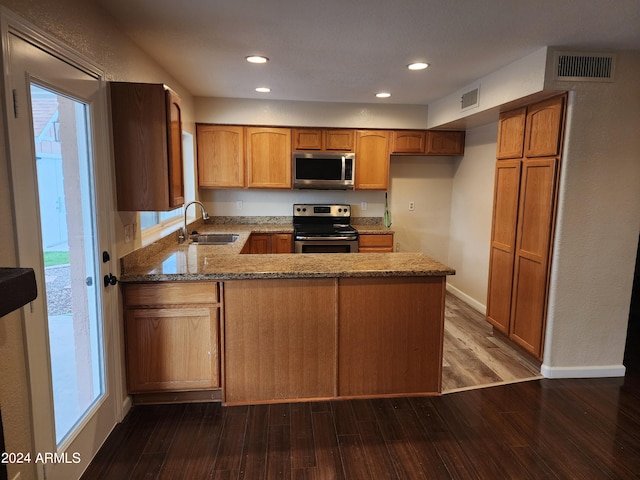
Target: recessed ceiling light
417	66
263	89
383	95
256	59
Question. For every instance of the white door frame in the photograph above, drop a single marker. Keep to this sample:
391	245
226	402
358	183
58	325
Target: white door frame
11	24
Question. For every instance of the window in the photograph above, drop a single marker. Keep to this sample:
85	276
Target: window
151	219
154	225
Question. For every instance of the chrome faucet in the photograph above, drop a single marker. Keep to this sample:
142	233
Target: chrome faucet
205	216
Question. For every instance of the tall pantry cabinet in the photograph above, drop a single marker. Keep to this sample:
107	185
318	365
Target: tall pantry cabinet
525	193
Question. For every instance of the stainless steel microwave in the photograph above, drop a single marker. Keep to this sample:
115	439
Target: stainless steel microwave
323	170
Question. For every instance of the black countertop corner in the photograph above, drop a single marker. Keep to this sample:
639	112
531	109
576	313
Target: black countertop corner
17	288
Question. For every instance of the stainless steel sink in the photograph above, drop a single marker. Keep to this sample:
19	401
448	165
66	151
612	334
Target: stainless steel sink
213	238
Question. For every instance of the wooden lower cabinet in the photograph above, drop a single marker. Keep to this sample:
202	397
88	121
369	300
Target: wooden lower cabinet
375	243
390	335
172	336
260	243
294	339
279	339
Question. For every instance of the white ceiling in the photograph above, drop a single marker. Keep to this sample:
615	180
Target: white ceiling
347	50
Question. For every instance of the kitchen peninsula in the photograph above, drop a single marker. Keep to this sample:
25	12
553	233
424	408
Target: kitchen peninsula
206	322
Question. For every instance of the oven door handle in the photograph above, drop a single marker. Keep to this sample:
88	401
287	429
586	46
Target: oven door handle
303	238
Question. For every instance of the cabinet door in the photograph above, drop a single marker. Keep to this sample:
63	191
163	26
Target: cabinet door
176	162
511	134
268	157
340	140
406	141
220	156
532	253
280	339
259	243
375	243
390	335
544	128
372	160
282	243
307	138
445	143
503	239
172	349
147	144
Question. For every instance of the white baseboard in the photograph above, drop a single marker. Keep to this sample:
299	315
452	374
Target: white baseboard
126	406
472	302
598	371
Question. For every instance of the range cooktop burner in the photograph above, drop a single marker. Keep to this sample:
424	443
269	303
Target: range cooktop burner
323	220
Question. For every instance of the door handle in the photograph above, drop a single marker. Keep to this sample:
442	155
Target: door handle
110	280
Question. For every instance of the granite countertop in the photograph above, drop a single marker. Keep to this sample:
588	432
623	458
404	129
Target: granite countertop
166	260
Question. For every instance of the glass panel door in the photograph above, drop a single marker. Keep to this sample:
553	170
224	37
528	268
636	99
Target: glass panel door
63	209
65	192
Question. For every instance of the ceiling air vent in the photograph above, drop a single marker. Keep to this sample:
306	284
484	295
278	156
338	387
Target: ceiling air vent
470	99
584	67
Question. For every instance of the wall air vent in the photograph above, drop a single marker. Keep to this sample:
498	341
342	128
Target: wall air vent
584	67
470	99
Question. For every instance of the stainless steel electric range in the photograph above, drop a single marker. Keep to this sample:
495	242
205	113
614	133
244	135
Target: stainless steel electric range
323	228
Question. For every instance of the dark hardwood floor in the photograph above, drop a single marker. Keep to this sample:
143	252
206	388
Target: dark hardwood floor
536	429
540	429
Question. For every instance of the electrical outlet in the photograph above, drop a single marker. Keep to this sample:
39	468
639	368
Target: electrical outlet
397	246
239	204
363	205
412	206
128	233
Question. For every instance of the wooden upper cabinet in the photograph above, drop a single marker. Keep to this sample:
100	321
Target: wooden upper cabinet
408	141
147	142
320	139
545	121
445	142
220	156
511	134
307	138
176	154
340	140
372	160
427	142
268	157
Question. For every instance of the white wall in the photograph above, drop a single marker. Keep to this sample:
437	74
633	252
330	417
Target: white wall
241	111
519	79
280	202
427	182
597	227
471	213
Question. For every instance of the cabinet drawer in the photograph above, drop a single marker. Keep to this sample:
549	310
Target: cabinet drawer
175	293
375	243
